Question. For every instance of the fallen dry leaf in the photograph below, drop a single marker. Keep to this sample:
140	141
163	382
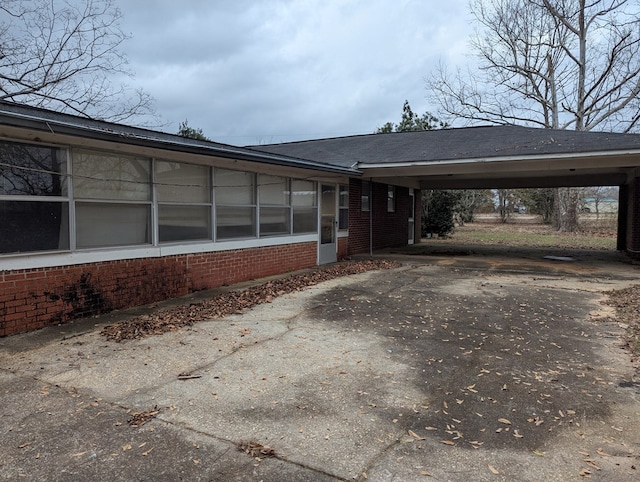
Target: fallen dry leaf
255	449
448	442
140	418
493	470
592	464
504	420
175	318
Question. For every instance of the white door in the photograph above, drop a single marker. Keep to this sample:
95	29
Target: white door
327	248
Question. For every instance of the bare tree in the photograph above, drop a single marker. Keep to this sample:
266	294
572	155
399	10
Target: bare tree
66	56
598	194
562	64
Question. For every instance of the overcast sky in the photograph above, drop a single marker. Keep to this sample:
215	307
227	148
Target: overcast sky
264	71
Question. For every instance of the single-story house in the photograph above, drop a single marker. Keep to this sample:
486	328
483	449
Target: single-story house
98	216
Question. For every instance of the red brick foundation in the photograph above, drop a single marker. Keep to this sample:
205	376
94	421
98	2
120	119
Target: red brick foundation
35	298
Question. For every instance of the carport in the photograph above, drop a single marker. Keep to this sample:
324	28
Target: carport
493	157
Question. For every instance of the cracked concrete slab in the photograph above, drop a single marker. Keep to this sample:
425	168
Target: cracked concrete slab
440	370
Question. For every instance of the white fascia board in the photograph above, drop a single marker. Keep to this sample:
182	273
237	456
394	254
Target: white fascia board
488	160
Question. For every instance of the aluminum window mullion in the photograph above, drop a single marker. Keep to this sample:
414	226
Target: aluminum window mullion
213	218
72	203
256	193
155	221
290	184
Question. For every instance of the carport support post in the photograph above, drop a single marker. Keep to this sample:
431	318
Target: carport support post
633	216
370	218
623	217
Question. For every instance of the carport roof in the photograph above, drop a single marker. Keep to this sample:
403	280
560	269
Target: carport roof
479	157
453	144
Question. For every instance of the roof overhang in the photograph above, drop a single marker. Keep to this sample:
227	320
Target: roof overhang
549	170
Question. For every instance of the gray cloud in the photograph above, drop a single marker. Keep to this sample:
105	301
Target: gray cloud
248	72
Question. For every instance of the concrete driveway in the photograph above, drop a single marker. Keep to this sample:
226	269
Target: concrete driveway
448	368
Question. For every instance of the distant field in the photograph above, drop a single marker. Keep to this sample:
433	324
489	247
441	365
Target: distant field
526	230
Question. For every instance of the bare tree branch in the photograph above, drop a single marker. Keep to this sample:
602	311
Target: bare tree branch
67	56
551	63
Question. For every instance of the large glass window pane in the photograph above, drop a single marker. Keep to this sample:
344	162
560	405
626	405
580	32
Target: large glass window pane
305	220
303	193
273	190
183	223
180	182
391	199
304	198
105	176
274	221
33	226
234	187
102	224
235	222
32	170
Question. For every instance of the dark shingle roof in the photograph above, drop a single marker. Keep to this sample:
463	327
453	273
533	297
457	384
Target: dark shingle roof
452	144
18	115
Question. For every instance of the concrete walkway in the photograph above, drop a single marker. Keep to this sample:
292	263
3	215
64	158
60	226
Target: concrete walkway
449	368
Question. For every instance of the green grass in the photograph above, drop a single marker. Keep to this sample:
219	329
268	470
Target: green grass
537	240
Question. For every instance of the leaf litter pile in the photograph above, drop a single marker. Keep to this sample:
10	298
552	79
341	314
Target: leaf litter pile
256	450
140	418
627	305
233	302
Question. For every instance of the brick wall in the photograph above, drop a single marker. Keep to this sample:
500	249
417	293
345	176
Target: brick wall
358	220
389	229
35	298
343	248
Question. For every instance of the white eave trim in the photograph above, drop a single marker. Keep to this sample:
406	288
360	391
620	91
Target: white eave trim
487	160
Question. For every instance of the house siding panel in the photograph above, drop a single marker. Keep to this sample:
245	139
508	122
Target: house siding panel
33	299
